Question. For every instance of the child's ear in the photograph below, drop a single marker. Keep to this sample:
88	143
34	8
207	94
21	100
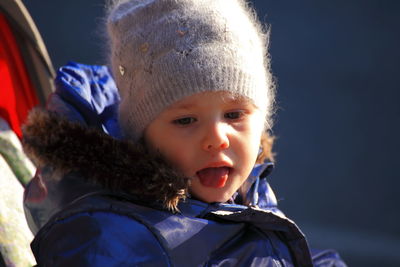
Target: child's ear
266	144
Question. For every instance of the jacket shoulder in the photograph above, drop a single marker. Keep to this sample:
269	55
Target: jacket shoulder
97	237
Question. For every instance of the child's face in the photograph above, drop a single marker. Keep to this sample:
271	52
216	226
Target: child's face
213	138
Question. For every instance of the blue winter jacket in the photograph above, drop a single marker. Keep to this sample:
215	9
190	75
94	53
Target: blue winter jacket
99	201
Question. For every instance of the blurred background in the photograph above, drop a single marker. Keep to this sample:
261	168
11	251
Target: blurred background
337	125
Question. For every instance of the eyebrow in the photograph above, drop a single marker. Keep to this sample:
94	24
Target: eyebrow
236	99
182	106
226	98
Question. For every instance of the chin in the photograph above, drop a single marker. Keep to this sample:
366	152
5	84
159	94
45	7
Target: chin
210	198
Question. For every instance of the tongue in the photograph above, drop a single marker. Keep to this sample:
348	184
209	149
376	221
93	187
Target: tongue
213	177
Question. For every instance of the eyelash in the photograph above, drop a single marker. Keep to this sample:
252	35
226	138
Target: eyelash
190	120
239	112
184	121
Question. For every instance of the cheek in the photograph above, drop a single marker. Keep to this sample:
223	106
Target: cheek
253	138
252	153
176	152
252	146
259	129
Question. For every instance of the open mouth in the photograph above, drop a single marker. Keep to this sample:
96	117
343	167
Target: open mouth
214	177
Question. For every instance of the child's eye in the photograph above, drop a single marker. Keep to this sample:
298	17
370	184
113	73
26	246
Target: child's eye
234	115
184	121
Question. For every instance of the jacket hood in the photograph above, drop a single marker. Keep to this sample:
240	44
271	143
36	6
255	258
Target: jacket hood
116	165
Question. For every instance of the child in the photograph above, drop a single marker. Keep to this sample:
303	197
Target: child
180	187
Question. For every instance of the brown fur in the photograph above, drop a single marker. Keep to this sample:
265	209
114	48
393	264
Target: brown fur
116	165
267	142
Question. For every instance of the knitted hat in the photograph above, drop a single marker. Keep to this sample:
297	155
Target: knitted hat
165	50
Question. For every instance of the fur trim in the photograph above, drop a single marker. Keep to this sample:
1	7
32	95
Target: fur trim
120	166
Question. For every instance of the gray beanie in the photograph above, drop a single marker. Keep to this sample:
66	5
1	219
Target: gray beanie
165	50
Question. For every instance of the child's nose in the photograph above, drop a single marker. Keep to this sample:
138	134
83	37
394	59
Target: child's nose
216	137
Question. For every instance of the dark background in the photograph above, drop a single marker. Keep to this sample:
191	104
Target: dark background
337	126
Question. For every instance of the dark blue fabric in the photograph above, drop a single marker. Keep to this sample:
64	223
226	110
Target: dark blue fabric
104	229
326	258
90	90
99	239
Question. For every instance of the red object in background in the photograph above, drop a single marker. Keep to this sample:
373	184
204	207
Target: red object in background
17	95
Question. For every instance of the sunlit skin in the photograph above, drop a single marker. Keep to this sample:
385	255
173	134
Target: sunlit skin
212	129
